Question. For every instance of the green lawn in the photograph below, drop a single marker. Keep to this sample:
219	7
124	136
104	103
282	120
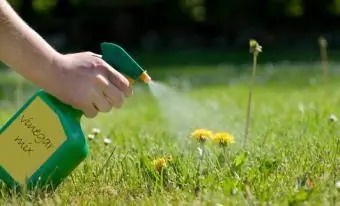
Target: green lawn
292	155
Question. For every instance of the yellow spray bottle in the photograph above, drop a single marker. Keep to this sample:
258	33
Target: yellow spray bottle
43	142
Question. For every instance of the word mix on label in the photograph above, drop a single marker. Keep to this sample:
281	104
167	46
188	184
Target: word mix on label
25	146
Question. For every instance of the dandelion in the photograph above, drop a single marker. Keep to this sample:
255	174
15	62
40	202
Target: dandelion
201	135
90	137
96	131
234	191
223	138
107	141
160	163
337	184
333	118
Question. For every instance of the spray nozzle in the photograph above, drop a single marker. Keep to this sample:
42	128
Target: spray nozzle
145	77
118	58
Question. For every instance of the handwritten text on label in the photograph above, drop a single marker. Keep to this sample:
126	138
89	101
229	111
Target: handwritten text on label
40	137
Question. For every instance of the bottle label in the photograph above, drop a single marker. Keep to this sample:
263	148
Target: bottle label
31	139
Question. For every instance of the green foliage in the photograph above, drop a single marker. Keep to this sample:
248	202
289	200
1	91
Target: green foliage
115	3
195	8
295	8
335	7
43	6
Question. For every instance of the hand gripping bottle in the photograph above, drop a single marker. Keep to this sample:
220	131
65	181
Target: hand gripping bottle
43	142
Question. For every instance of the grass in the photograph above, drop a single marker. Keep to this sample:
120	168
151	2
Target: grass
292	155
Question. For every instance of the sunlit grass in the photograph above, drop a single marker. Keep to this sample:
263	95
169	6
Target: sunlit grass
290	157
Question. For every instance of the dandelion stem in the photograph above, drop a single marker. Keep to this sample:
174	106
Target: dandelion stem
250	99
199	169
337	150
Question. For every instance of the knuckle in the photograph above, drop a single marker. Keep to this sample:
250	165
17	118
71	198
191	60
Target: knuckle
94	64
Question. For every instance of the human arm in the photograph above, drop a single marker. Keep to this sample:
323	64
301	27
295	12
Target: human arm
22	48
78	79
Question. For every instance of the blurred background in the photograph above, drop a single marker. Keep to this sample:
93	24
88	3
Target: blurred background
183	25
167	34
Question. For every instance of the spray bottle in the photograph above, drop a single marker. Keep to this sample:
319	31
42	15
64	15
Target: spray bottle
43	142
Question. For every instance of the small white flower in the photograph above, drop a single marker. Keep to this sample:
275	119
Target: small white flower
333	118
234	191
301	108
90	136
200	152
107	141
337	184
95	131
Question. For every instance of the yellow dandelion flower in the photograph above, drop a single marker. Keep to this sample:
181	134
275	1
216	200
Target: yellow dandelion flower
201	135
159	164
223	138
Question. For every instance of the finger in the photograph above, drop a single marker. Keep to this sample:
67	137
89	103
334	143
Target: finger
108	91
114	96
100	102
121	82
100	83
90	111
85	106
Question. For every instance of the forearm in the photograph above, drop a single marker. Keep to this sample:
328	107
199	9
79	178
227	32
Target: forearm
22	49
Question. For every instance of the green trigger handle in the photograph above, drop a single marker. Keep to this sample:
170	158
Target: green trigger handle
120	60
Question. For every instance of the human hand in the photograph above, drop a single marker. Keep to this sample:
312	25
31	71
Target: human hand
82	80
86	82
